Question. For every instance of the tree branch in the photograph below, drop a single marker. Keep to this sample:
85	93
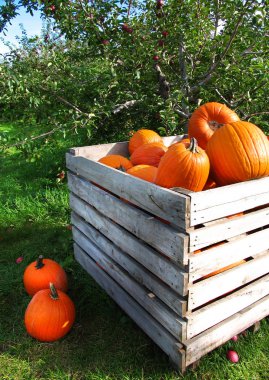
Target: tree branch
247	117
129	8
164	85
207	77
126	105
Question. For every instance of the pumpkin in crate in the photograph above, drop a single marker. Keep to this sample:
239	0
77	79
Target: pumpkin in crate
145	172
208	118
141	137
41	272
210	184
116	161
184	165
238	152
148	154
49	315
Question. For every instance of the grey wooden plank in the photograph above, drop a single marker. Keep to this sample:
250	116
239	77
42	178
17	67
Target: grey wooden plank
113	238
161	202
163	237
139	315
165	316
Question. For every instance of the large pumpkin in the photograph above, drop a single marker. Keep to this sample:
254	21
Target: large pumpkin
49	315
208	118
141	137
238	152
148	154
41	272
116	161
145	172
183	165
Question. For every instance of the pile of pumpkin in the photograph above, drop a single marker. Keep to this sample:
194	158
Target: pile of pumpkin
51	313
220	150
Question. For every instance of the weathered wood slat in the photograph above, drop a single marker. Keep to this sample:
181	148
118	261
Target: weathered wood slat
138	272
160	236
228	253
123	240
210	315
161	202
217	285
219	334
95	152
165	316
138	314
228	200
227	228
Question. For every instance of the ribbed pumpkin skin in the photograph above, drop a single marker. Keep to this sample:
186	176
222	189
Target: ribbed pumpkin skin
116	161
148	154
36	279
145	172
181	167
238	152
48	319
141	137
207	118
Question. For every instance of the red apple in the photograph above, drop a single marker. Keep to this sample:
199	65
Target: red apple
165	33
160	4
161	42
105	42
127	29
52	8
156	57
235	338
232	356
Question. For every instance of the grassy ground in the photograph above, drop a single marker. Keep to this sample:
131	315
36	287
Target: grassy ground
104	343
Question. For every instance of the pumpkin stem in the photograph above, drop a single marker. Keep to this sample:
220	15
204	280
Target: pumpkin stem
193	147
53	292
39	262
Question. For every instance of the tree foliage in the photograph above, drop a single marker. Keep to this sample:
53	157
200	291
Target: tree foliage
110	66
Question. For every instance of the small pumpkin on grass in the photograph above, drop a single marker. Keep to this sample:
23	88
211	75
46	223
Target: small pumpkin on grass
116	161
49	315
41	272
208	118
184	165
141	137
148	154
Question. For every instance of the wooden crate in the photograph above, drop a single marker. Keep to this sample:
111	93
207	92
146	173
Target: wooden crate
139	242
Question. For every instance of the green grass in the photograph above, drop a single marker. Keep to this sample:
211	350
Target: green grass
104	343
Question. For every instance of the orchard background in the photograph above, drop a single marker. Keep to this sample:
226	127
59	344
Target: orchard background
99	71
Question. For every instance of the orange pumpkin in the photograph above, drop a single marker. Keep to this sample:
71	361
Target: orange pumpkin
145	172
238	152
116	161
208	118
49	315
148	154
183	165
210	184
40	273
185	139
141	137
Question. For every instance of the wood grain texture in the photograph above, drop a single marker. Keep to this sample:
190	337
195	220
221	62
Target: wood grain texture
137	271
122	240
139	315
210	315
222	332
164	238
165	316
161	202
217	285
228	253
227	228
228	200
